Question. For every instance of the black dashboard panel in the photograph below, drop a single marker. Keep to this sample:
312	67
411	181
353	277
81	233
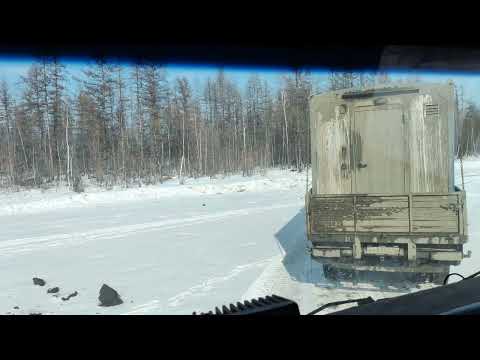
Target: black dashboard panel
459	298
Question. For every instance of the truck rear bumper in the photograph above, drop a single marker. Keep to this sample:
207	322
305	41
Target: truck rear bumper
397	268
394	257
449	255
388	232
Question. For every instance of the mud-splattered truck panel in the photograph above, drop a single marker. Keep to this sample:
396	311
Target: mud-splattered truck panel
383	195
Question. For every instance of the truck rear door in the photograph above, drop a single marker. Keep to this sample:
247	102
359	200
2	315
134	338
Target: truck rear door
378	142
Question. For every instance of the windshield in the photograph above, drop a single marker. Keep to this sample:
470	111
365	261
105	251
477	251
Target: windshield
144	188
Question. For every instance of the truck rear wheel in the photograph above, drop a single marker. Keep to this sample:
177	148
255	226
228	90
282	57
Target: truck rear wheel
333	273
437	278
330	272
416	278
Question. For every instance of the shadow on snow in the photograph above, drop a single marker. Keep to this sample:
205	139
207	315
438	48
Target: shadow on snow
299	265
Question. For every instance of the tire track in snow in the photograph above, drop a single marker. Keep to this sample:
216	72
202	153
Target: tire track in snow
145	308
312	293
209	284
265	283
24	245
155	306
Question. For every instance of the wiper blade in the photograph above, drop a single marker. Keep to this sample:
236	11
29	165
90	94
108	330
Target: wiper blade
359	302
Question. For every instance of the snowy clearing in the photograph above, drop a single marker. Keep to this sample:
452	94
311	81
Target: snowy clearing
58	198
172	249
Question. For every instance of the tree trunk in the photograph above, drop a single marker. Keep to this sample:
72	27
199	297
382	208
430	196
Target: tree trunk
23	147
244	147
68	147
183	148
286	126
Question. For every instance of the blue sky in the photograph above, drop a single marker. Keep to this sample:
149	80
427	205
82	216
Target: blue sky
12	68
469	82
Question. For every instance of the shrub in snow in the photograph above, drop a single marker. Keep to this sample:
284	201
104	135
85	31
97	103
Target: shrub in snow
78	186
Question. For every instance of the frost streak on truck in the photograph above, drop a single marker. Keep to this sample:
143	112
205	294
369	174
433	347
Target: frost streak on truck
383	196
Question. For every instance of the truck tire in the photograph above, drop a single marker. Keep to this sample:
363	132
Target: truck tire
349	274
417	278
330	272
434	278
437	278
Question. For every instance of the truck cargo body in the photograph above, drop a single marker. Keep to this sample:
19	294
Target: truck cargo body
383	196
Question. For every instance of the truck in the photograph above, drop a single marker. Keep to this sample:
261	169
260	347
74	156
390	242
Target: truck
383	196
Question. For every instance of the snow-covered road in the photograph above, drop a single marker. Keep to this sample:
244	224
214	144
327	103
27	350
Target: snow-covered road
170	255
172	249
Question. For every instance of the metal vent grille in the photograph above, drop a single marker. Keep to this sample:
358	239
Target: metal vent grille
268	305
432	110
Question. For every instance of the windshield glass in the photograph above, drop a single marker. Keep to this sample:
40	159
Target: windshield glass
170	189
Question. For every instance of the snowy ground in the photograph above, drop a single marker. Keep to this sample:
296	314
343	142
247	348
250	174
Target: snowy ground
171	249
167	249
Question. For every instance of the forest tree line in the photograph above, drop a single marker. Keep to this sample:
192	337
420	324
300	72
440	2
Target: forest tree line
129	125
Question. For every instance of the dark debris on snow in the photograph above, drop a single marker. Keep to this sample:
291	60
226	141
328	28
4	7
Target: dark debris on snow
53	290
109	296
70	296
38	281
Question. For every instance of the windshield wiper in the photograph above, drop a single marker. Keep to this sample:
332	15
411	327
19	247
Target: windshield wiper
362	301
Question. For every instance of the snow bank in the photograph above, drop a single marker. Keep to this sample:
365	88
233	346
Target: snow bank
36	201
